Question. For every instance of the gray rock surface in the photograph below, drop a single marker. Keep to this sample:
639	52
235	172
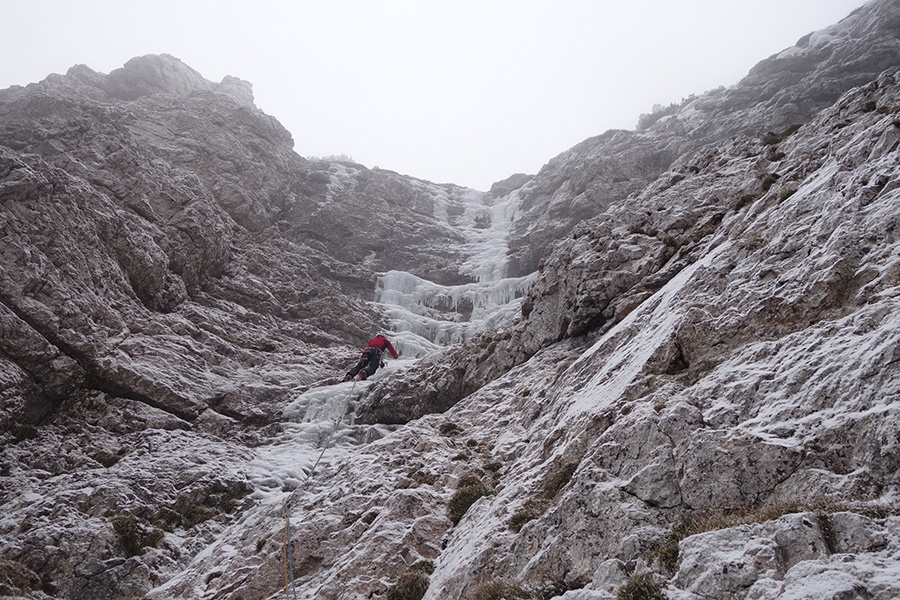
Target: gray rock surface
592	277
738	354
700	390
163	259
786	89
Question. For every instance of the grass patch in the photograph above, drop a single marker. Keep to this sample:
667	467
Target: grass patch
667	554
531	510
127	532
468	480
411	586
132	536
470	490
184	513
153	538
641	587
449	429
192	513
201	504
414	584
167	519
496	590
556	479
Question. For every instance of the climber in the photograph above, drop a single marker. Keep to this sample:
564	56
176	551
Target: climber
370	359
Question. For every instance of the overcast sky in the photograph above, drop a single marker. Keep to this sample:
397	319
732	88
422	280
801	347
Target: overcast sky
460	91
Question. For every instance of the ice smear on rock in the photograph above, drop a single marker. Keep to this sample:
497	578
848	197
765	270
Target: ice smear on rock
445	315
448	315
424	317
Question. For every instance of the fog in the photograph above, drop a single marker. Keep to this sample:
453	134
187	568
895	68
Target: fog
467	92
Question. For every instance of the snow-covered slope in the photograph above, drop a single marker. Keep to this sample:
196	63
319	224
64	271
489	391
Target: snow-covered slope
755	394
748	407
696	392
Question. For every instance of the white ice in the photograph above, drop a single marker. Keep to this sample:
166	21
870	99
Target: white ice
317	429
424	318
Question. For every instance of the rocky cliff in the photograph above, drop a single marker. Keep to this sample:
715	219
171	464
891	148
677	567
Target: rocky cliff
694	396
783	90
166	254
780	93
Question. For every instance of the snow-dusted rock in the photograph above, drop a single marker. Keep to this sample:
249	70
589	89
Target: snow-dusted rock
759	371
792	557
785	89
715	341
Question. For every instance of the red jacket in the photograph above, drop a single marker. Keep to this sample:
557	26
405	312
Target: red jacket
381	342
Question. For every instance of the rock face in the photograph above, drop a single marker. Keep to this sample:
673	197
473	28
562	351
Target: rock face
783	90
728	348
151	204
609	273
163	258
699	394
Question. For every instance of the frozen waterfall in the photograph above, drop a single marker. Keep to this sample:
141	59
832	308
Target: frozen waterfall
423	316
439	315
445	315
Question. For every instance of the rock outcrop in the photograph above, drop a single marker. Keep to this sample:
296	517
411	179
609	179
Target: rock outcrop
742	366
590	279
169	261
150	204
698	397
786	89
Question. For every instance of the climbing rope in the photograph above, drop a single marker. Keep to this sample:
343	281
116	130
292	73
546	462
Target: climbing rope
285	504
288	554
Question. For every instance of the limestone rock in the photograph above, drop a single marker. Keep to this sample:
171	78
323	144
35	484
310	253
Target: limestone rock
714	344
789	557
786	89
737	383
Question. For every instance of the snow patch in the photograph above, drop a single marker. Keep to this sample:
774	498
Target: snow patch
654	321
